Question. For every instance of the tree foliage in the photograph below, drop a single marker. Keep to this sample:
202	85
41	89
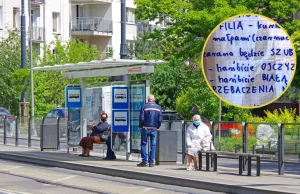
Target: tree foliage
190	22
188	25
296	41
10	61
169	79
49	87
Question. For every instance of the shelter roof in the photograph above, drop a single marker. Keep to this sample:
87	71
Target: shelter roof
107	67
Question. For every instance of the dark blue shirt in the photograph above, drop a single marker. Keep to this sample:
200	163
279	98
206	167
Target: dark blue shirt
150	115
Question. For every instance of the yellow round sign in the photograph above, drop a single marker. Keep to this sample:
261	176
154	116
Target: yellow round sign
248	61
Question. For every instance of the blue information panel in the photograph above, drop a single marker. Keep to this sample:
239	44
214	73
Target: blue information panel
138	99
73	97
74	129
120	98
120	121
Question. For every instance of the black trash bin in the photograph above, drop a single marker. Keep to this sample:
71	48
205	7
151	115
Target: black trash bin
166	147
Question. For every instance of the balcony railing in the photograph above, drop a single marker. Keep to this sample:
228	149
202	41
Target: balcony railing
95	24
89	1
37	2
38	33
144	29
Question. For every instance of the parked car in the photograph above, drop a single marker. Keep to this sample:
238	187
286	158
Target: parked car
169	115
10	121
50	119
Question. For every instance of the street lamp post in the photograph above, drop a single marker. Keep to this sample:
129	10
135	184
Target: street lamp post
23	55
31	71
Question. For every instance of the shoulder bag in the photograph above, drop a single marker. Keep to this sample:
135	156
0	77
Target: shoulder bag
104	135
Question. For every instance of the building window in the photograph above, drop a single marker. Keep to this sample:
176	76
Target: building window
1	26
37	48
35	17
79	11
130	17
16	17
56	22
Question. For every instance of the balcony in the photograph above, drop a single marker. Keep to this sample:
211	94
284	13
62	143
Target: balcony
92	26
37	2
38	34
90	1
144	29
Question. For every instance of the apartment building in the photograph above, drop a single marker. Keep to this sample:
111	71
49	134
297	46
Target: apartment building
96	21
99	23
49	18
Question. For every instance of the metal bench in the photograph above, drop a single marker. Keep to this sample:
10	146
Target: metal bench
214	156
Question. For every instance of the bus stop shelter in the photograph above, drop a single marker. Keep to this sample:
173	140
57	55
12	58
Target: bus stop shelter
98	68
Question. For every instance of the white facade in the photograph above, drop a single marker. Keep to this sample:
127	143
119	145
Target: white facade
96	21
99	23
9	15
43	22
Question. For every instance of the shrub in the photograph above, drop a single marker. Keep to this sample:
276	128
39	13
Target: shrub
230	143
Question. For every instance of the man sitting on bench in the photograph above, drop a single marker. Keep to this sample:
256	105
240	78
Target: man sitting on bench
99	132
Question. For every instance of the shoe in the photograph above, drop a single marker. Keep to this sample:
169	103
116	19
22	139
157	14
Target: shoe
109	158
123	141
190	169
142	164
151	165
82	155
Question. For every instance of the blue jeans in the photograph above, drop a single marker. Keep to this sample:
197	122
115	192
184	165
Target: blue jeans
144	138
109	153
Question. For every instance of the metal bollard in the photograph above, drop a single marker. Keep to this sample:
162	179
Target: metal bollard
280	149
29	131
58	138
183	143
41	134
17	131
4	140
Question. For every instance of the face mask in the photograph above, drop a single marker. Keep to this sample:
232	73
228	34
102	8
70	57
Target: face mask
196	123
103	119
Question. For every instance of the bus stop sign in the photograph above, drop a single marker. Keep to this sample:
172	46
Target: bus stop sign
73	97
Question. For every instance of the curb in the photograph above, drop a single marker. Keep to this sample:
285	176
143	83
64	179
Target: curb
151	177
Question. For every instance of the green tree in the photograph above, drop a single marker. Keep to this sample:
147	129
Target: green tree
169	79
199	93
144	49
49	87
296	41
293	92
190	22
10	62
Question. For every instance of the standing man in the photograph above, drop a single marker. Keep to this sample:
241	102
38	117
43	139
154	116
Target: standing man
149	121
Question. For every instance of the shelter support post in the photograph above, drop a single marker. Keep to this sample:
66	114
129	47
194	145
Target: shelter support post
128	154
83	108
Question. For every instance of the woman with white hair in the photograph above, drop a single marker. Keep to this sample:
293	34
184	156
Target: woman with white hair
197	136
